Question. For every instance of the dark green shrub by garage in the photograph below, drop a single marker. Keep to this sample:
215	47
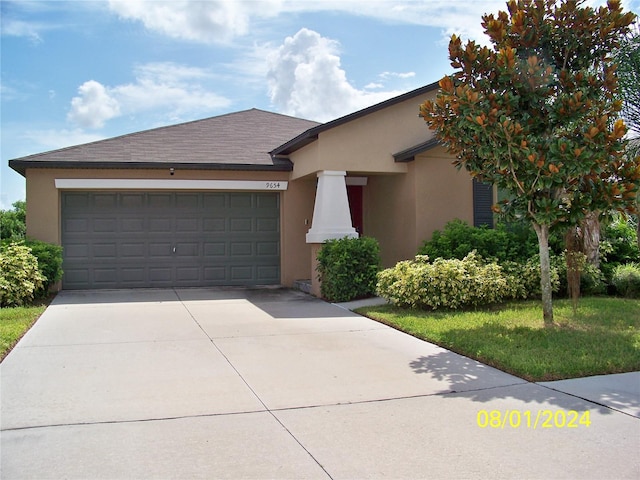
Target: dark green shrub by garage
49	258
348	267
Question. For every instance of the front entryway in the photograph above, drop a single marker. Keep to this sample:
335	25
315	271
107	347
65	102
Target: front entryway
170	239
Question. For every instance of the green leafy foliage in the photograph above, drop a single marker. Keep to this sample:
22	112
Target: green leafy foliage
626	279
347	268
442	283
524	278
618	245
515	242
49	258
13	222
20	278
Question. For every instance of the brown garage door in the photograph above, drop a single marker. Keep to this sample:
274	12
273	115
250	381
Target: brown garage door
167	239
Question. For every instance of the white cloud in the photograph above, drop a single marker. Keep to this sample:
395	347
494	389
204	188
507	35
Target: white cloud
305	79
94	106
196	20
18	28
220	21
174	89
387	75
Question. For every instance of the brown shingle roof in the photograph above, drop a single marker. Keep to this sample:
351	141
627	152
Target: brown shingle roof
235	141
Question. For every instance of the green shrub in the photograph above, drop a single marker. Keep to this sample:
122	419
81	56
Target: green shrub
618	245
19	275
49	258
514	242
524	278
626	279
445	283
347	268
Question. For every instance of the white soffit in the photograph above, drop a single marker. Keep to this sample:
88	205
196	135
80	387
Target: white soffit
146	184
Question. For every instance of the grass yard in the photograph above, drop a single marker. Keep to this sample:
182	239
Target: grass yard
14	323
602	337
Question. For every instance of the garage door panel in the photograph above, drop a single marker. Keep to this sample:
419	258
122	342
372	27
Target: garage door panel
134	275
105	201
76	200
159	250
215	249
163	239
186	249
77	251
188	224
76	225
160	225
104	225
267	249
214	275
106	275
268	274
104	251
212	201
189	201
267	225
217	225
267	201
240	200
129	251
159	200
133	225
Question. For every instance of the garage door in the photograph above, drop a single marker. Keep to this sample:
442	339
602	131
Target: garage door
167	239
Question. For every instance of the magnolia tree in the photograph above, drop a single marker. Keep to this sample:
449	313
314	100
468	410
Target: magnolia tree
536	114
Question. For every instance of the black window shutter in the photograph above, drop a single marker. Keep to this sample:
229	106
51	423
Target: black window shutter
482	202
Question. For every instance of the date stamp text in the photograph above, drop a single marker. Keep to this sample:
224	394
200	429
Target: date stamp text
533	420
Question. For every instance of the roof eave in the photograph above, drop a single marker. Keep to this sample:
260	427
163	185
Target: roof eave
279	165
409	154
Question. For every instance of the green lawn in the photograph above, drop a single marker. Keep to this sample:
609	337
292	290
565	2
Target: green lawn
603	336
14	323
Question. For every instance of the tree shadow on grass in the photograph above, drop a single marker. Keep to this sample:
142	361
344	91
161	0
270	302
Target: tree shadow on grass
543	352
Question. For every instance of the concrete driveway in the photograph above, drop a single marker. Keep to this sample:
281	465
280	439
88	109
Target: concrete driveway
272	383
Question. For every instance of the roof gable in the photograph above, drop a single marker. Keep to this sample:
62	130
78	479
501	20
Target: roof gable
235	141
312	134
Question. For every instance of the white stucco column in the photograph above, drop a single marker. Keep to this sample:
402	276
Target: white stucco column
331	215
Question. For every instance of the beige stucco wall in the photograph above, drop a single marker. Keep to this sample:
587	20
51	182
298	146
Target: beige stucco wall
389	215
402	211
297	212
367	144
442	193
43	206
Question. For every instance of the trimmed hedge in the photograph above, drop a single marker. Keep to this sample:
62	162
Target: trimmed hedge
20	278
347	268
454	283
450	283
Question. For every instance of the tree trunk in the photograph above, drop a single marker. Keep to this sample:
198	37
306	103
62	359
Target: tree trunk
542	231
590	229
573	242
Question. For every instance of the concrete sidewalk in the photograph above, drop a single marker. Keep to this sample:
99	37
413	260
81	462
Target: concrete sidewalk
271	383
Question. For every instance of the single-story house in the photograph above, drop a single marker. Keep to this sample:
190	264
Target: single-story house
245	198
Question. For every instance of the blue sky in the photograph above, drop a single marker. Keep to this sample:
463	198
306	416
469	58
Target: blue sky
79	71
